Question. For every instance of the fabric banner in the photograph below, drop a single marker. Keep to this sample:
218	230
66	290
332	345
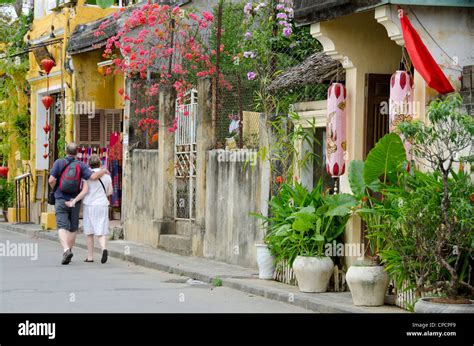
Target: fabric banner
422	59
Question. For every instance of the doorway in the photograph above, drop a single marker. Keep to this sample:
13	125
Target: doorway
377	94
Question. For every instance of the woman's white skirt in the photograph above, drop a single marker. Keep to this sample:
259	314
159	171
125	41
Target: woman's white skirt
96	219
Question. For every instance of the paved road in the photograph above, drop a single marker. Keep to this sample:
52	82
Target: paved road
44	285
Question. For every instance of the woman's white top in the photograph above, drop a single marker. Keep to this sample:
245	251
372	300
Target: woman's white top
96	194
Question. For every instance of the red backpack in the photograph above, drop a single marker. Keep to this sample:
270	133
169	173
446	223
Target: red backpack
70	180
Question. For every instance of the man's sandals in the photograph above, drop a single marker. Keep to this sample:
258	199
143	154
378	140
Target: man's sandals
67	255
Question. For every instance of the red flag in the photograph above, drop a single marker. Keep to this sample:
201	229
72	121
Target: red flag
422	59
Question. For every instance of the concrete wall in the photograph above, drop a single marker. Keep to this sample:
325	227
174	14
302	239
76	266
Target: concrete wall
140	198
232	193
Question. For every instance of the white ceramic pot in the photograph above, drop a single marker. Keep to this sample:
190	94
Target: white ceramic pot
426	305
368	284
265	262
313	273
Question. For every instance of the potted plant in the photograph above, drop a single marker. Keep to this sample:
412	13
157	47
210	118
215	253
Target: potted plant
302	222
6	196
367	278
438	207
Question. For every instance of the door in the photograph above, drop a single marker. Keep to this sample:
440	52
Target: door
56	116
377	93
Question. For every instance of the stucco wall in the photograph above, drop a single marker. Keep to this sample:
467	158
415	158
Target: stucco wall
232	194
140	198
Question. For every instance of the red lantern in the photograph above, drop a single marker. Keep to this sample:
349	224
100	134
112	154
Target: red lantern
3	172
45	145
45	155
47	65
47	128
47	101
336	130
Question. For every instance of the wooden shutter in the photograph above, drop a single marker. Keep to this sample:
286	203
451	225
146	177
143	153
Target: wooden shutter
89	131
113	121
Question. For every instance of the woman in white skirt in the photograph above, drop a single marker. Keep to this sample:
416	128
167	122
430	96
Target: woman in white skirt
96	209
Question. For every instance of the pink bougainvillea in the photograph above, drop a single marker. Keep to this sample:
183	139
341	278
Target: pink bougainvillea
165	41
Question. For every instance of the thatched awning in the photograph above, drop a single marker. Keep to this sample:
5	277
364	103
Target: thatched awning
316	69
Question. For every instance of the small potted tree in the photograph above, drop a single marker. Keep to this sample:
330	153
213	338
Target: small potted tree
439	145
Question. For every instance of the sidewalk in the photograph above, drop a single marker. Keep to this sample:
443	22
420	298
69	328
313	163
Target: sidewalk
236	277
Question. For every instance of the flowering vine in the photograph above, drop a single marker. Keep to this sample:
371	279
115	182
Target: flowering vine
168	42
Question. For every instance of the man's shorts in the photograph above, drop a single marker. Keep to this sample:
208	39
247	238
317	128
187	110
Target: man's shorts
67	218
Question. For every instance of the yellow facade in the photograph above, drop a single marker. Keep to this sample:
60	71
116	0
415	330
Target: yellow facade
85	83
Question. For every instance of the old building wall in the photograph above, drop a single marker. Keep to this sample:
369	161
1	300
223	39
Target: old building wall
141	198
233	191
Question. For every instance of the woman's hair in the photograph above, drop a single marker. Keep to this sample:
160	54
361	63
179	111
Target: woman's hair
94	161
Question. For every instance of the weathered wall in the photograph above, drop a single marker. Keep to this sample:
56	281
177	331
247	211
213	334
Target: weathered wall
232	193
140	198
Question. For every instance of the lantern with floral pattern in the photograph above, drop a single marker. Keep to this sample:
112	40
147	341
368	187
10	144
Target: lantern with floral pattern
401	103
336	130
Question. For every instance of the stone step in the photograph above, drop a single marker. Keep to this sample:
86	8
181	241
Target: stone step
184	228
176	243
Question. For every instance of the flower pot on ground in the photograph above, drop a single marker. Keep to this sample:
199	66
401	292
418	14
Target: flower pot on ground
444	305
265	262
368	283
302	222
313	273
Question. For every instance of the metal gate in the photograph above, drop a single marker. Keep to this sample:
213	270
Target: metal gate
185	158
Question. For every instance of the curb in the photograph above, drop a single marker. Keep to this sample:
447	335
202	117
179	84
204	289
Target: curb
277	294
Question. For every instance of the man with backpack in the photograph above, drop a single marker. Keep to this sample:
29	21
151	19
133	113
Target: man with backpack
65	181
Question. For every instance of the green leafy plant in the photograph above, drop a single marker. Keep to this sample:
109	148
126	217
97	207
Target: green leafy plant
302	222
367	178
217	282
447	139
6	194
422	222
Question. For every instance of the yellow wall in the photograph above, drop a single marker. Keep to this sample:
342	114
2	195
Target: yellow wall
85	84
89	83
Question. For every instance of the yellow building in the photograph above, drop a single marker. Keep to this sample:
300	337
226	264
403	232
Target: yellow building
86	104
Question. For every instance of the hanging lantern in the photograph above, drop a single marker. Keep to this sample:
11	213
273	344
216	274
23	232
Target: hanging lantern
401	103
47	65
45	155
47	128
47	101
336	130
45	145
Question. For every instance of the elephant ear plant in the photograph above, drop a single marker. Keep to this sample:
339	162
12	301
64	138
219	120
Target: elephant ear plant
367	279
367	179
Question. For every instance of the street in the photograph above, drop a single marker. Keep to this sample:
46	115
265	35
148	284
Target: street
44	285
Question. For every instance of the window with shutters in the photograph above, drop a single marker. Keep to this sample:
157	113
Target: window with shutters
95	132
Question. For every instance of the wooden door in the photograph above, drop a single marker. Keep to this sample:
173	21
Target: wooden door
377	93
